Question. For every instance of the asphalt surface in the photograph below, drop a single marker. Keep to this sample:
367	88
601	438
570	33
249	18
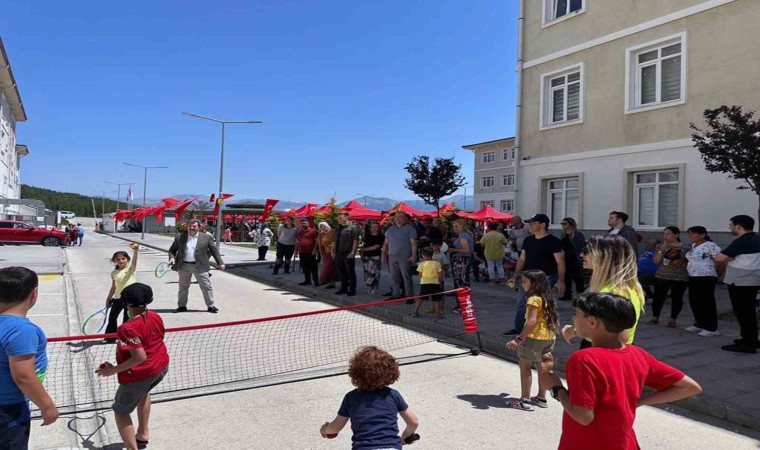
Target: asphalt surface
459	399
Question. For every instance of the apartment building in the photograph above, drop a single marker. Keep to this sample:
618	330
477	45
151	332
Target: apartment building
608	89
494	174
11	112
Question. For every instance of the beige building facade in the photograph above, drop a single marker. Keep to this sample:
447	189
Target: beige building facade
494	182
11	112
608	89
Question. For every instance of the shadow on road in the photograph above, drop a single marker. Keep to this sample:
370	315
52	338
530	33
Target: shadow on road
485	401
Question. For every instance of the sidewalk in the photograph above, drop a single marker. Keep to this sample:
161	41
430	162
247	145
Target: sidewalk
731	381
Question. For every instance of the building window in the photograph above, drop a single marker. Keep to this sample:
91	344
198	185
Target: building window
508	154
507	205
558	9
655	198
485	203
489	157
488	182
563	199
657	74
508	179
562	97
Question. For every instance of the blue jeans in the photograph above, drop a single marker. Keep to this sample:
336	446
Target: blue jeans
80	238
14	426
522	302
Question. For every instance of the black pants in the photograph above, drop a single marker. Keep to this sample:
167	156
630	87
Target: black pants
16	437
702	302
263	249
284	252
310	268
743	304
347	269
573	275
117	306
661	288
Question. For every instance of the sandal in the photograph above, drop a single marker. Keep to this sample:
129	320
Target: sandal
653	321
672	323
141	444
523	404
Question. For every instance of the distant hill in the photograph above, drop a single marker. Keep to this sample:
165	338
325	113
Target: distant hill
79	204
376	203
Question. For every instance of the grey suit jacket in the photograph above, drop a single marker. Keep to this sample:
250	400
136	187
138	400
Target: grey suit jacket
203	250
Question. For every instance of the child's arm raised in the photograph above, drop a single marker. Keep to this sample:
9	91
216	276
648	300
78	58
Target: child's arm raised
686	387
25	376
333	427
136	248
412	422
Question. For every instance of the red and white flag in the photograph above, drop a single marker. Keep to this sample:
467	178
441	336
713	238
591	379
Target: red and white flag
268	207
219	201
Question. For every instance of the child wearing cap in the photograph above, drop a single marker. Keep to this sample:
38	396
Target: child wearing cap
142	361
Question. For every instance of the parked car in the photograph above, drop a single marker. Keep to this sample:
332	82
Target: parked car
67	215
17	232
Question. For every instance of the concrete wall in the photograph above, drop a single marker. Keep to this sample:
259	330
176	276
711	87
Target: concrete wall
497	169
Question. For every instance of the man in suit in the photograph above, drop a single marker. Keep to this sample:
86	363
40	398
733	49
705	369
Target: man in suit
189	254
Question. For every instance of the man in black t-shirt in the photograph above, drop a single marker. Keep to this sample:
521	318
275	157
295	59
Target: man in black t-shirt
540	251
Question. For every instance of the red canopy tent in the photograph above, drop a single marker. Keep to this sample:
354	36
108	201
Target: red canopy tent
447	210
488	214
403	207
357	211
306	210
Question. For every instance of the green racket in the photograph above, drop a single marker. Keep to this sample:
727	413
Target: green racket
162	269
96	322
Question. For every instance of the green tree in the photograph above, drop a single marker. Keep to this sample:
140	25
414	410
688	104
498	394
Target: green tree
331	217
730	144
432	183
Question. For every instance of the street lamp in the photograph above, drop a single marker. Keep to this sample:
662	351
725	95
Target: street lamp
365	199
464	202
145	188
221	165
118	194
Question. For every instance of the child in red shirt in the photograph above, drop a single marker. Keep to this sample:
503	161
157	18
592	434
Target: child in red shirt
605	382
141	363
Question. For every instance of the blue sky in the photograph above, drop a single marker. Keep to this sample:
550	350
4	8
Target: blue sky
348	91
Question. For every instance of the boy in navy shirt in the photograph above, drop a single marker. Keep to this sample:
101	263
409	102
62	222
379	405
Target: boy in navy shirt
24	364
373	406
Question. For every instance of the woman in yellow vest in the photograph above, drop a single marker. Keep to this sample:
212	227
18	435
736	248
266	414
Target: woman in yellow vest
615	270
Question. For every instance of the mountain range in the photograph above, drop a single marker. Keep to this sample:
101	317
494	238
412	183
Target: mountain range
376	203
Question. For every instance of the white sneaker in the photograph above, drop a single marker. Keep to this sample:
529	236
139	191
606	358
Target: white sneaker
693	329
705	333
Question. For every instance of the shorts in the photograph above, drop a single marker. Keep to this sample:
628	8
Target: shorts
433	290
129	395
15	426
534	349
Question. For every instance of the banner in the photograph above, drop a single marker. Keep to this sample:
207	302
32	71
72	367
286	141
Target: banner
468	310
219	201
268	207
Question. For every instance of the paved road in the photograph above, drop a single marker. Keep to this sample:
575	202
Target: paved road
460	399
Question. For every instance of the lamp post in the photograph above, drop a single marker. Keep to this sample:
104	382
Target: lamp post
118	193
221	165
145	188
464	202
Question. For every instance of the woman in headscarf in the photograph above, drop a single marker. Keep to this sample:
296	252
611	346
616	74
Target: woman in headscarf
328	272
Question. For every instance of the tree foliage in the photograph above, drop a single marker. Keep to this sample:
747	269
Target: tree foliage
201	206
730	144
331	217
432	183
81	205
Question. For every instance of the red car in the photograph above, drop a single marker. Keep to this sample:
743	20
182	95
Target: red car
16	232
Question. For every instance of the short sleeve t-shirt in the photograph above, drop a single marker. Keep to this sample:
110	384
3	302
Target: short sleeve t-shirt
370	241
307	239
744	270
19	337
539	253
610	382
145	331
701	262
400	240
430	272
122	278
494	243
442	258
374	418
287	236
541	330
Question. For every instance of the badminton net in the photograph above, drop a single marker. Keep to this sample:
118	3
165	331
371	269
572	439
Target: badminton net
223	357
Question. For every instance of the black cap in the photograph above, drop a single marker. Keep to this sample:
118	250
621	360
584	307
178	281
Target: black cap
137	294
542	218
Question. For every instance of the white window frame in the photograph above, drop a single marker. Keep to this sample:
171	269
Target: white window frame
488	182
488	157
506	178
508	154
507	205
484	203
564	189
545	107
549	14
633	74
636	187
